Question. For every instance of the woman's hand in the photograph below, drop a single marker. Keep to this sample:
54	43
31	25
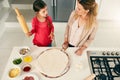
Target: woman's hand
65	45
80	51
51	36
90	77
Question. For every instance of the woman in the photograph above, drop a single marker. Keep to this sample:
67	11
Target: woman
81	27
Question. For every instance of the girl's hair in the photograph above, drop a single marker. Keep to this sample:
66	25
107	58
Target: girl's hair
38	4
92	6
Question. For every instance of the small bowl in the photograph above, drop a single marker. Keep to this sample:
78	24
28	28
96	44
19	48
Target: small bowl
27	59
14	72
29	76
26	68
24	51
17	61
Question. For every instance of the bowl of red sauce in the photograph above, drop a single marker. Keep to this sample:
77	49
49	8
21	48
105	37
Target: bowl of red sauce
26	67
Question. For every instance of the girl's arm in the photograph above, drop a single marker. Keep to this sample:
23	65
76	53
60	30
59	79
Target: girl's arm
33	30
50	23
51	27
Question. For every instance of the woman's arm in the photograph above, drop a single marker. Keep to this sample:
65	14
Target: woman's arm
87	43
91	37
66	35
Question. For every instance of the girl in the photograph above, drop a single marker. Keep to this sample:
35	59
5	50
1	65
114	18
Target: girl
81	27
42	26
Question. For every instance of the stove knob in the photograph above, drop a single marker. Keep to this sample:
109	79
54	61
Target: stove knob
104	53
117	53
108	53
113	53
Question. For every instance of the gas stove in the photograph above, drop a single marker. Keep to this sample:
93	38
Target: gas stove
105	64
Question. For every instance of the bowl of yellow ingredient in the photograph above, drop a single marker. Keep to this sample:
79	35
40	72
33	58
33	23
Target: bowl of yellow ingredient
14	72
27	58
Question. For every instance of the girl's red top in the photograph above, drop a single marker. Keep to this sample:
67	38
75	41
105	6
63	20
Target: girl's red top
41	31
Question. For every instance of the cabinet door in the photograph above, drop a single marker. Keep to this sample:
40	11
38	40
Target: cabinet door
50	7
63	9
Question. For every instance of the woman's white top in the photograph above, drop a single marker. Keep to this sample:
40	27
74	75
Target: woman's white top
75	33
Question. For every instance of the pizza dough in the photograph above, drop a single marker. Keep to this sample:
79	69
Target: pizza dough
53	62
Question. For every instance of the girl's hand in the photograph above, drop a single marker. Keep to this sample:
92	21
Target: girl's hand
65	45
51	36
29	34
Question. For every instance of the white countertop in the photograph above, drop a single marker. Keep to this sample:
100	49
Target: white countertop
79	68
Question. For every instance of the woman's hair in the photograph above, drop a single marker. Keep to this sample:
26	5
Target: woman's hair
38	4
92	6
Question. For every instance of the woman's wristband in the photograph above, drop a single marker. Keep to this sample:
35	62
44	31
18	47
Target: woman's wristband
84	46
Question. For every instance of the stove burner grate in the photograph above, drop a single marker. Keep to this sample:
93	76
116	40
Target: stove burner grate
102	77
117	69
105	68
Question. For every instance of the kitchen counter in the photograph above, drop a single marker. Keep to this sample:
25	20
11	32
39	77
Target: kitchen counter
79	68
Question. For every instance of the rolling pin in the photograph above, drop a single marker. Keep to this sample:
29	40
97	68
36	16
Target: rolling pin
22	21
